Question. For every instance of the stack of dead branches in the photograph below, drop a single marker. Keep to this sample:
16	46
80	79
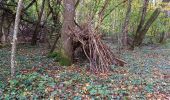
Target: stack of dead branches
99	54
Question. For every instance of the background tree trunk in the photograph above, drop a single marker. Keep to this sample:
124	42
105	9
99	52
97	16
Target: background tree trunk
125	25
143	15
1	27
142	30
141	23
37	28
68	15
16	27
146	27
57	23
2	13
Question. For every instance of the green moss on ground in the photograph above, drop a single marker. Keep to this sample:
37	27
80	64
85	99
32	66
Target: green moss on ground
61	58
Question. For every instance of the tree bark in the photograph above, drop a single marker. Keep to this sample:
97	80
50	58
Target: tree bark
26	8
1	22
141	23
68	15
143	15
1	27
146	27
55	43
16	27
141	32
37	28
57	24
125	25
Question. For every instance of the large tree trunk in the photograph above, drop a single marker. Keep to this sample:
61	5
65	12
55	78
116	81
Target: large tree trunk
37	28
16	27
68	15
125	25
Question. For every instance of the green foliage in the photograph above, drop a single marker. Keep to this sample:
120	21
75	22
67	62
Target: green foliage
166	44
1	46
64	61
101	90
32	85
73	83
113	23
58	56
149	88
54	55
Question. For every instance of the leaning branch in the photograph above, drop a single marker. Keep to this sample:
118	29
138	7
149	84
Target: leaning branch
26	8
113	9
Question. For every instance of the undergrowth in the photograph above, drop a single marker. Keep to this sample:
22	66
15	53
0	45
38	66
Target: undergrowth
27	86
144	78
59	58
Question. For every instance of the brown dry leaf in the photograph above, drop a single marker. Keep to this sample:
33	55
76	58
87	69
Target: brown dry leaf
87	84
161	96
149	95
49	89
135	89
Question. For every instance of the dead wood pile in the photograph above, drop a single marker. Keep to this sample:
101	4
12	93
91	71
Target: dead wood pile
99	54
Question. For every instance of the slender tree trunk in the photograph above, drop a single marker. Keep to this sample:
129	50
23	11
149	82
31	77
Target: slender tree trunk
68	15
55	43
37	28
162	37
101	13
125	25
57	24
141	23
141	32
143	15
32	2
1	27
16	27
146	27
1	22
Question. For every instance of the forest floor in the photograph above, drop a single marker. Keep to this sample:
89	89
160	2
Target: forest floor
147	75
